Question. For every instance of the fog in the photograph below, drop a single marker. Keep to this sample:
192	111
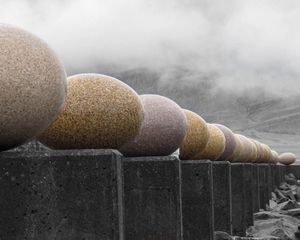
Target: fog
235	44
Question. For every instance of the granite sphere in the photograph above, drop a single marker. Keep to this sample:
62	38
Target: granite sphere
237	150
274	157
259	151
230	142
266	153
196	138
163	129
248	151
287	158
100	112
32	86
215	146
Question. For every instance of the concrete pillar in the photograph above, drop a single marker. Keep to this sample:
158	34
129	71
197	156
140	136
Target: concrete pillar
222	196
255	189
238	203
61	195
152	200
197	200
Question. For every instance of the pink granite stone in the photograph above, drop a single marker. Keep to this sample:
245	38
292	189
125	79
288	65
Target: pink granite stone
163	129
230	142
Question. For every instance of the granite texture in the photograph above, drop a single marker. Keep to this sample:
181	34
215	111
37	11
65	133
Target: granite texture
215	146
248	150
100	112
237	150
32	86
266	156
229	140
163	129
274	157
196	138
287	158
259	149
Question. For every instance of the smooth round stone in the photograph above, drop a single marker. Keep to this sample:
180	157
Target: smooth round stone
237	150
259	151
266	157
100	112
247	153
196	138
230	142
163	129
274	157
287	158
215	146
32	86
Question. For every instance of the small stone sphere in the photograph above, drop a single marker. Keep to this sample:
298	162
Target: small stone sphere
248	152
32	86
274	157
266	157
254	152
163	129
196	138
215	146
259	151
287	158
229	141
237	150
100	112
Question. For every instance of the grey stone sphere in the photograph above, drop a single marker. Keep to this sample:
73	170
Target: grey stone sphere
287	158
230	142
32	86
163	129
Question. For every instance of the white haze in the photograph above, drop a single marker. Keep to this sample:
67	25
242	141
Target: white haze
240	43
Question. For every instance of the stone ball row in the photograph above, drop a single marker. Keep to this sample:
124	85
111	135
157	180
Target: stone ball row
88	111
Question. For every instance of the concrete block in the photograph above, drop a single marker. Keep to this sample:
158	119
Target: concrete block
152	200
222	196
61	195
197	200
248	194
255	192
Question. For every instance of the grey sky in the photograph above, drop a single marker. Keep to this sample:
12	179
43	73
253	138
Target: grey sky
242	43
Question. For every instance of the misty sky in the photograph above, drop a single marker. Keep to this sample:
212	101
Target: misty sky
241	43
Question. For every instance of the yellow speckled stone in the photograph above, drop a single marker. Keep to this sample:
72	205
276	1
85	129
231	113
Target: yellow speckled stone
248	152
100	112
196	138
266	157
32	86
215	146
259	153
237	150
275	157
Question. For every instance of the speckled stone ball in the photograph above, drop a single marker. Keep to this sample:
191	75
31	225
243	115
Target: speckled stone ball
196	138
163	129
215	146
230	142
259	151
100	112
247	150
32	86
287	158
237	150
266	157
274	157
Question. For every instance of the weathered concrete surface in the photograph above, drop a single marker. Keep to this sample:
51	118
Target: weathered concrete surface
152	200
197	200
255	192
222	196
60	195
